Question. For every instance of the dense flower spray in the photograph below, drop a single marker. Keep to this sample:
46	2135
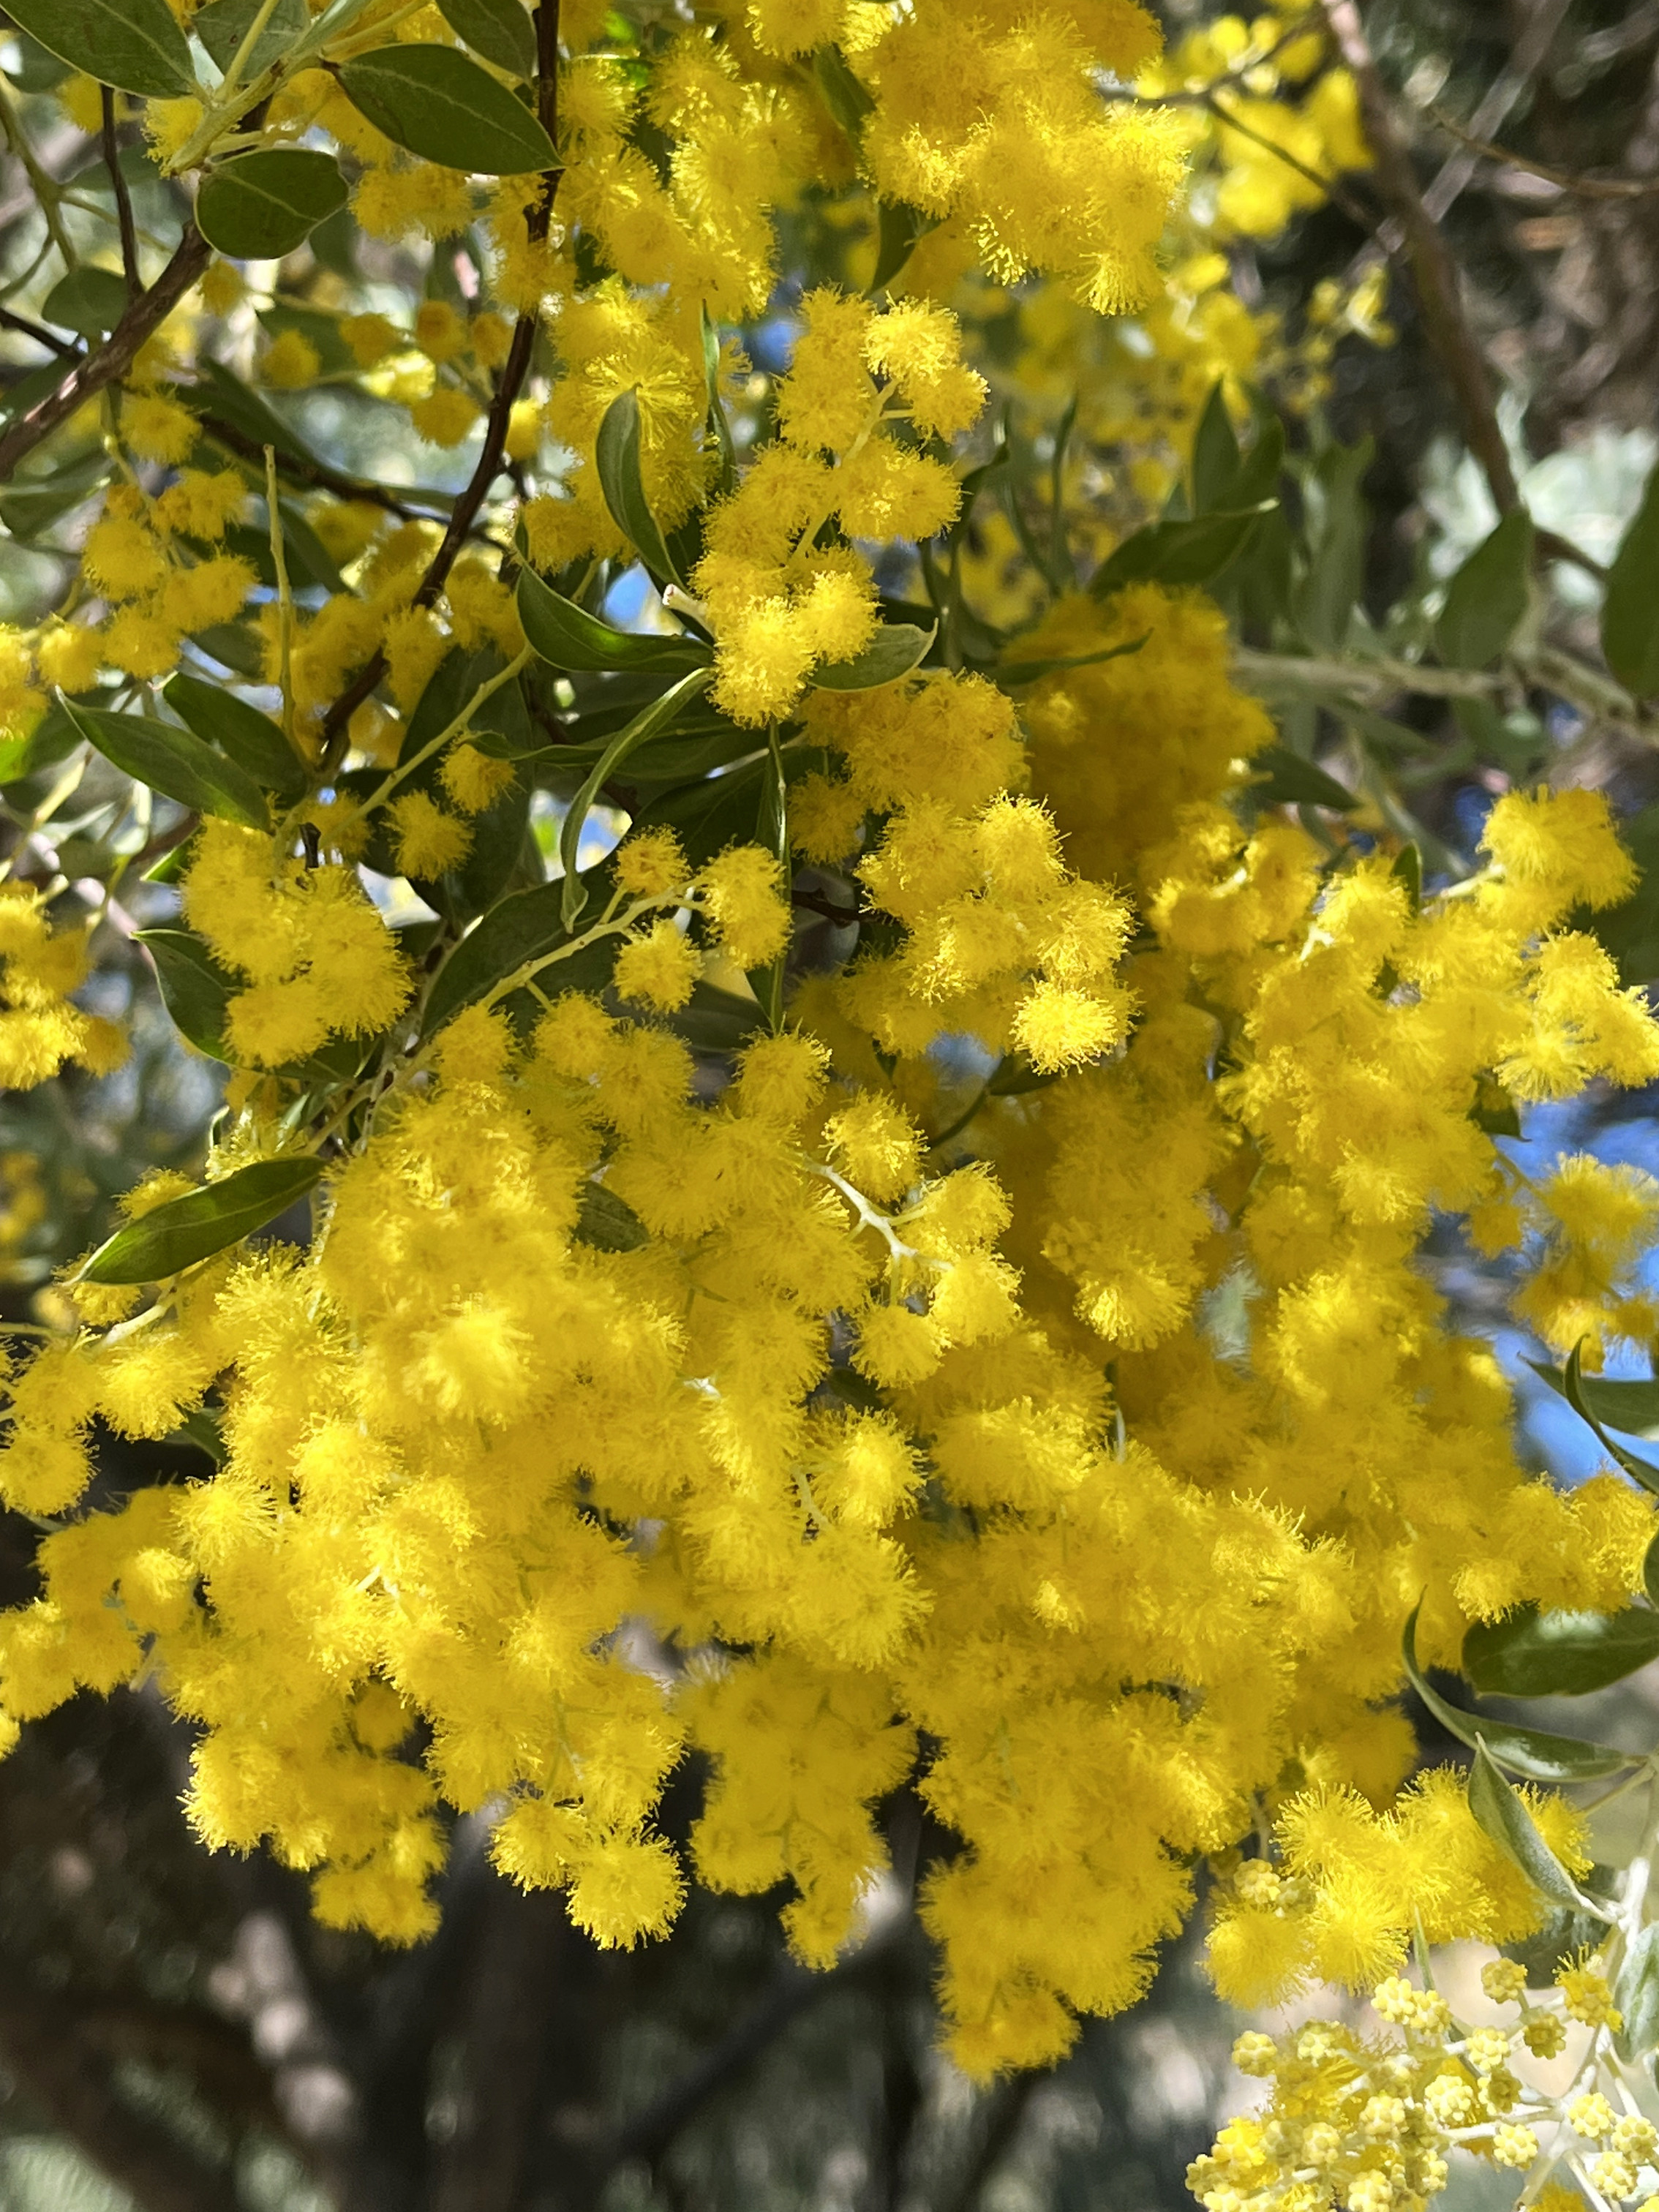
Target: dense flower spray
849	1392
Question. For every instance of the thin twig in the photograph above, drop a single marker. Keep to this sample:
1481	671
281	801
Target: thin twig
1332	186
338	720
28	329
1584	188
1434	272
1374	681
1531	49
45	189
113	358
122	197
284	596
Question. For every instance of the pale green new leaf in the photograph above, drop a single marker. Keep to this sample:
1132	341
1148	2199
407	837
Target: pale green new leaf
1505	1819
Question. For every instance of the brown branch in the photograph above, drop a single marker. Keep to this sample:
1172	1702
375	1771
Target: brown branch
337	721
1434	273
1587	188
1007	2103
113	359
842	916
123	196
502	2027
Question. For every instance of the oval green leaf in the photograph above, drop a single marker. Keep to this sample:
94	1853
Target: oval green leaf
1533	1753
896	649
1630	632
35	503
1530	1654
1639	1470
1636	1995
195	988
1487	599
444	107
500	30
1632	1407
616	454
224	394
900	229
53	737
252	740
843	95
1283	778
88	302
567	636
525	926
263	205
607	1222
186	1230
717	416
133	45
1180	551
656	718
1216	456
175	762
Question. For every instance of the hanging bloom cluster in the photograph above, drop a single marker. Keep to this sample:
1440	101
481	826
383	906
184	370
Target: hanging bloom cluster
442	1422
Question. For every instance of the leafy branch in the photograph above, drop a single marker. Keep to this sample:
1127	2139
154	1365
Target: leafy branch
113	359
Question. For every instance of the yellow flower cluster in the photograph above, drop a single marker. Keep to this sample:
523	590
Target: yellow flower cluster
1000	940
1365	2123
1249	72
318	959
438	369
1340	1899
778	602
151	560
1266	121
40	965
1019	1346
467	1445
993	125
